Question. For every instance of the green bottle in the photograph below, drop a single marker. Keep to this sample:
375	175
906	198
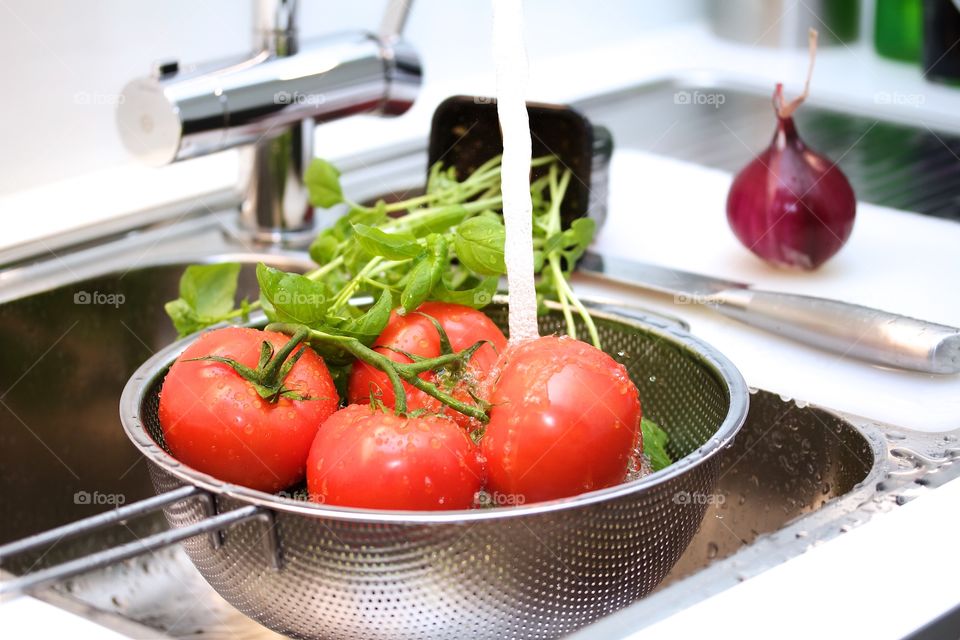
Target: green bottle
899	28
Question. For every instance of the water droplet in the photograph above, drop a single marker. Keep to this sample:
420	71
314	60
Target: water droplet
712	550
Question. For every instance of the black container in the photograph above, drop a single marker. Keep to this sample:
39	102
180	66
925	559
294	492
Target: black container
465	133
941	41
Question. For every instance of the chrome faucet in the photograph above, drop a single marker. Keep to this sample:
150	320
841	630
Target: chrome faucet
269	102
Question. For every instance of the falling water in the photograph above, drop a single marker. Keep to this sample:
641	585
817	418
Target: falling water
510	56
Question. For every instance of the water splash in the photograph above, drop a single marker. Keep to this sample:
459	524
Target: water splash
510	57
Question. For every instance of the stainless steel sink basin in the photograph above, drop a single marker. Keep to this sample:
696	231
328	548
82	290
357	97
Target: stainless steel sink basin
796	476
67	354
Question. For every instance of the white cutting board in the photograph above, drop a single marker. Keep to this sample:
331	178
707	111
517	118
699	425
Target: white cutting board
672	213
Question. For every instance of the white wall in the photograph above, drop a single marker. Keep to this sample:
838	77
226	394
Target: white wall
63	61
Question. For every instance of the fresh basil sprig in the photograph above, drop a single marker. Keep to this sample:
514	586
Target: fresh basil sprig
655	442
207	293
446	245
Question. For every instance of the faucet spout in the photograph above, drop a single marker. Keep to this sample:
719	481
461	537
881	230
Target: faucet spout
268	102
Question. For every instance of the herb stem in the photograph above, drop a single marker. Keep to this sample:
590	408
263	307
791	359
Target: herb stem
582	310
557	273
318	273
376	263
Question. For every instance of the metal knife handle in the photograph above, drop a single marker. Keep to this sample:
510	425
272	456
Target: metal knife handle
848	329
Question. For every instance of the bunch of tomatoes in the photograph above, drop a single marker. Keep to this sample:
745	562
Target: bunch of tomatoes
563	417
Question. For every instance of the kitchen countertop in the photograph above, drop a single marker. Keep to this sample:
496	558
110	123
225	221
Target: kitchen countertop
895	261
686	228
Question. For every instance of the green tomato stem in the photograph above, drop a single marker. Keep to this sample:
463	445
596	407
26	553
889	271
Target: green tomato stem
450	401
397	372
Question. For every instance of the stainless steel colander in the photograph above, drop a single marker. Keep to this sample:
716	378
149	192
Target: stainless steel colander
533	571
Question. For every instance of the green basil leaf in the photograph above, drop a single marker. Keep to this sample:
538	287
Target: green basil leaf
571	243
555	242
324	248
393	246
538	260
440	221
290	297
582	230
479	245
184	318
655	442
361	215
323	184
206	296
440	179
371	323
476	297
425	274
209	289
419	284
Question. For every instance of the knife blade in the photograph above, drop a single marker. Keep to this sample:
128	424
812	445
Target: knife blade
850	330
682	284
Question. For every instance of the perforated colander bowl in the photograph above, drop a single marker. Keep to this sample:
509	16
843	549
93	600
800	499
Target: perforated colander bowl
532	571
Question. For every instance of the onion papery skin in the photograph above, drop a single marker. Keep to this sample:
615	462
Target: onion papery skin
791	206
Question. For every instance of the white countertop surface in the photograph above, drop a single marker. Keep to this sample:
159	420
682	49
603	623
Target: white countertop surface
899	263
894	261
880	581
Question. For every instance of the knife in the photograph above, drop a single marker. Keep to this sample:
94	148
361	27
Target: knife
847	329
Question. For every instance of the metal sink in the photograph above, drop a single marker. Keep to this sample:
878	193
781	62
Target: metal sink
796	476
80	321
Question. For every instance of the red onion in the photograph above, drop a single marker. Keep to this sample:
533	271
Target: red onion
791	206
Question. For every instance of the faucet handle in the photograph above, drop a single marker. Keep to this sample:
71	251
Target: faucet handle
177	114
394	20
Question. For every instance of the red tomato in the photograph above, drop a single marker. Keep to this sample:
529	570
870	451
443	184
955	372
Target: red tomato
565	420
366	457
416	334
214	421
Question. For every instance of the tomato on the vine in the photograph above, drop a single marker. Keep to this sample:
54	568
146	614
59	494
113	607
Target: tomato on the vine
366	457
415	333
216	421
565	419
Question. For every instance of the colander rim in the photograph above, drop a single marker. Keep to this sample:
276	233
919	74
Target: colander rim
143	379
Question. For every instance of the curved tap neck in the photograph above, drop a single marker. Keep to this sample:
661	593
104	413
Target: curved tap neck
275	26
